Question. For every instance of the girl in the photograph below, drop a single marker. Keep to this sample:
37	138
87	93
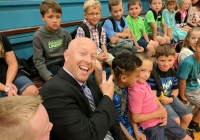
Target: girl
168	13
136	25
182	15
194	14
154	21
11	81
189	43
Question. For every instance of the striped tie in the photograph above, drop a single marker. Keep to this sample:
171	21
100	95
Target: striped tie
90	98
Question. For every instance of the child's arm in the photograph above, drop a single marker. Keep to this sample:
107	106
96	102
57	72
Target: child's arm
169	32
164	27
128	136
144	34
154	30
182	86
135	40
138	134
124	33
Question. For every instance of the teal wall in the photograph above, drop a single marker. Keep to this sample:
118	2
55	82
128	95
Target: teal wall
25	13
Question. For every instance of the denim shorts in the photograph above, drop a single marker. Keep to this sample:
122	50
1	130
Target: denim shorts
176	109
21	82
172	130
142	42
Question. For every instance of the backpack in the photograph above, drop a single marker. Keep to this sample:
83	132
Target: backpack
86	30
122	22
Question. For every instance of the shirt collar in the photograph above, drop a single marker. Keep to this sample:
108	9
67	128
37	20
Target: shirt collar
89	25
80	83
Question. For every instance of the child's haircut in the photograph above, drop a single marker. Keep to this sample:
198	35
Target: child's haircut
170	1
15	117
125	63
91	3
2	51
113	3
165	50
134	2
143	56
186	42
50	4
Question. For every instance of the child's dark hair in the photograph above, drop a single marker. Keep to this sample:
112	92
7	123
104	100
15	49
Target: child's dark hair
165	50
125	63
197	4
50	4
134	2
113	3
186	42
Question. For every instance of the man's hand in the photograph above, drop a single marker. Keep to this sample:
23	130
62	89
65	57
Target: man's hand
107	87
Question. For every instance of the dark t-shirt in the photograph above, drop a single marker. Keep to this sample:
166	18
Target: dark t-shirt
3	65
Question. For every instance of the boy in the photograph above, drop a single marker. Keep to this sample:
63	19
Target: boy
188	73
121	33
165	55
146	109
92	14
136	25
154	23
126	68
50	41
23	118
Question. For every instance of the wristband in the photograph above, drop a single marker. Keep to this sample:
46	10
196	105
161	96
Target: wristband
6	89
172	96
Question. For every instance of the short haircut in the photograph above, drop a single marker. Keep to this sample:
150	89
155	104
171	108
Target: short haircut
91	3
50	4
165	50
134	2
143	56
15	116
186	41
113	3
125	63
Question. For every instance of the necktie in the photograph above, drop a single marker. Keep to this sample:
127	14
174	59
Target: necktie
90	98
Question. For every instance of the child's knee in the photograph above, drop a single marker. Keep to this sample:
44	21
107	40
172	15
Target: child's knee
31	90
167	39
177	120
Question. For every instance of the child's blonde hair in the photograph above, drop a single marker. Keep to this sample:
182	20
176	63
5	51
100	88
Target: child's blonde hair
113	3
143	56
50	4
186	41
2	50
91	3
15	116
181	4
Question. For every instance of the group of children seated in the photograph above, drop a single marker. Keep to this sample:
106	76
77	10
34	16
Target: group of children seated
137	89
121	36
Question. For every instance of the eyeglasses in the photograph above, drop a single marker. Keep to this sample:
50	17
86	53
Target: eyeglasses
93	14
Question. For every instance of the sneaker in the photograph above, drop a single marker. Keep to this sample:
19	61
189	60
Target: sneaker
190	133
194	126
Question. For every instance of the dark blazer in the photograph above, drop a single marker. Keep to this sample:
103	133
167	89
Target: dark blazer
71	114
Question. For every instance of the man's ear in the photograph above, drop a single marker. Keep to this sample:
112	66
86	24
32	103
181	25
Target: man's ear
66	55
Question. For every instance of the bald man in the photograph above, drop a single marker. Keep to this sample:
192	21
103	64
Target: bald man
73	115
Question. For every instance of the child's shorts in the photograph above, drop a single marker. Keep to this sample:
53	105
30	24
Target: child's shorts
193	96
172	130
158	34
142	42
21	82
176	109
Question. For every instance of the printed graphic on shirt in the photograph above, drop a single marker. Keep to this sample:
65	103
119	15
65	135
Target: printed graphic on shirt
55	44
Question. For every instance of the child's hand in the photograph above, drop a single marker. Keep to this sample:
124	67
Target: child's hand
163	121
104	54
11	92
12	86
141	49
126	30
166	100
184	99
140	136
161	112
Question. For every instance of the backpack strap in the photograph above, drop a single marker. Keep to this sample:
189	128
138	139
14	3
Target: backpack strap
85	29
157	77
156	15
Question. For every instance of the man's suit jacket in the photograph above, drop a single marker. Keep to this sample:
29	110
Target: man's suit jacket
70	112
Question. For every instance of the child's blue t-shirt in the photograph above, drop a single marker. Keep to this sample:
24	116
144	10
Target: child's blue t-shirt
108	26
189	69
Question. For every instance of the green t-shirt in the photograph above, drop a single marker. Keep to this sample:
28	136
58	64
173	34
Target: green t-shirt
136	26
149	17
